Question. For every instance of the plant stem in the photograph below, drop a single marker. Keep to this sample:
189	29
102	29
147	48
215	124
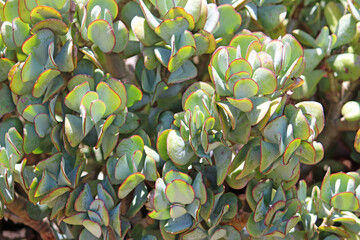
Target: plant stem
333	117
16	211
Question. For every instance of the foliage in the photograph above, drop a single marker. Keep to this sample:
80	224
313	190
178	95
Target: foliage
223	102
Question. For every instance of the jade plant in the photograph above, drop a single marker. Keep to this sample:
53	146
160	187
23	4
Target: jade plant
158	119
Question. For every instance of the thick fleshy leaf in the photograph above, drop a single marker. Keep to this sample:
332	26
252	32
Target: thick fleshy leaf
76	219
42	124
31	139
345	30
73	129
129	145
54	194
74	97
290	149
177	211
171	27
10	10
178	150
161	144
40	13
160	201
98	206
179	224
184	47
151	19
199	188
229	21
110	5
31	69
316	110
129	184
179	191
38	44
93	227
7	104
275	129
261	107
121	36
84	199
43	81
5	66
134	94
79	79
351	111
31	111
161	215
45	185
149	170
245	88
21	31
102	34
269	153
7	35
55	25
223	157
143	32
307	153
266	80
173	175
236	66
110	140
271	16
111	99
345	201
185	72
346	65
65	59
140	197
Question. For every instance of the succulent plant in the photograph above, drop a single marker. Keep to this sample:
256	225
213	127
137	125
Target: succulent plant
157	119
99	215
336	203
274	210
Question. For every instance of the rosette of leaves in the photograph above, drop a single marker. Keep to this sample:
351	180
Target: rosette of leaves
198	131
134	163
275	210
219	209
176	200
251	74
102	110
42	129
36	34
96	209
287	140
98	23
340	196
40	73
184	29
52	180
268	66
24	17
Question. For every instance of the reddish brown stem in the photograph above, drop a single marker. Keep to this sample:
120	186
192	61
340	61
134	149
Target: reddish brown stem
18	213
